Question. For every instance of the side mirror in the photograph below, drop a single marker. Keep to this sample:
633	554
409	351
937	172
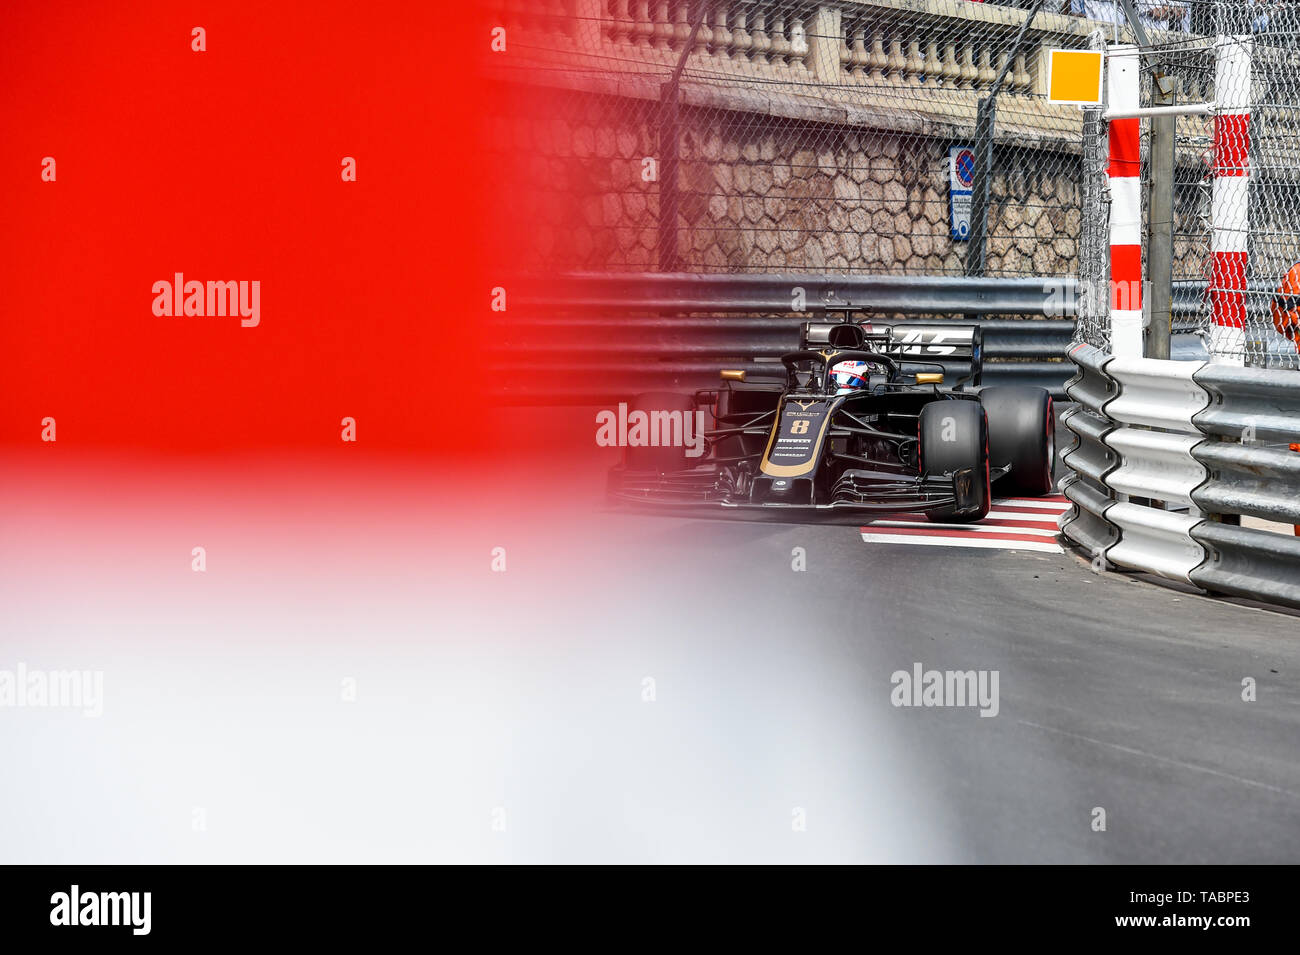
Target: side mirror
929	378
733	374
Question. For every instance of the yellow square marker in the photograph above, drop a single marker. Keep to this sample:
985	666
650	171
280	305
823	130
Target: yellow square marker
1074	76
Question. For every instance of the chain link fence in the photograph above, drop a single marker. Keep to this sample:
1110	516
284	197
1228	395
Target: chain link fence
788	135
1092	322
1236	179
1267	297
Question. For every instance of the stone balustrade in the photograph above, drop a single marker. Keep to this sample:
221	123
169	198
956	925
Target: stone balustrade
923	63
914	64
950	44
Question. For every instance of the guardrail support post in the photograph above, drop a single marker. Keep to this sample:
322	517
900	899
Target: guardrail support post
1160	241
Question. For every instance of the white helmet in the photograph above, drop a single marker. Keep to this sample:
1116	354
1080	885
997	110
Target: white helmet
851	375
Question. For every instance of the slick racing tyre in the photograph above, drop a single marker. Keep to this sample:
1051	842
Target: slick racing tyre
661	458
1022	433
954	435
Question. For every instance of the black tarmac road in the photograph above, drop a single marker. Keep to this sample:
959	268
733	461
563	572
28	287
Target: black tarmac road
1122	704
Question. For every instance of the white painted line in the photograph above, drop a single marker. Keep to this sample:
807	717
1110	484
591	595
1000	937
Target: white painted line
1037	517
986	542
1020	516
981	528
1030	502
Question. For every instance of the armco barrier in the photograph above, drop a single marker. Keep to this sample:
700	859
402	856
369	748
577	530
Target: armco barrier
1158	394
595	337
1248	563
1136	396
1258	403
1089	458
1085	523
1155	464
1240	479
614	292
1154	540
759	293
1190	449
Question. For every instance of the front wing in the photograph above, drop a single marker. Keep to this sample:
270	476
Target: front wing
859	490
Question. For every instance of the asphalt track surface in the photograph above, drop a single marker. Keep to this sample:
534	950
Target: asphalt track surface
1115	692
632	688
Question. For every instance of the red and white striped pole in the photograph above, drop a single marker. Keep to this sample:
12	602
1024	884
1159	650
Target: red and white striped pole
1123	138
1229	221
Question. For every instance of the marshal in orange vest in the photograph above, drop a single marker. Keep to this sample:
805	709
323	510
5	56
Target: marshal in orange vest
1285	305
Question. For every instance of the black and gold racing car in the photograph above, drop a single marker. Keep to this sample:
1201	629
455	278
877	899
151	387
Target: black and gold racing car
893	439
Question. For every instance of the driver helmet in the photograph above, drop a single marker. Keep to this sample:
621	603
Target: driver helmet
852	375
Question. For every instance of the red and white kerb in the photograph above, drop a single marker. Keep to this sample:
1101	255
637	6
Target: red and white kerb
1122	73
1229	221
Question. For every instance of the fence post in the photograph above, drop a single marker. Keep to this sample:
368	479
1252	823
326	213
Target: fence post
669	150
668	184
977	246
985	120
1123	140
1229	221
1160	251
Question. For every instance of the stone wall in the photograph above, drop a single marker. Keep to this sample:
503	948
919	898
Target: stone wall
767	194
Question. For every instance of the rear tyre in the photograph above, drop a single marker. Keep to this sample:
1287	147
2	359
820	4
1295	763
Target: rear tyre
1022	433
661	459
954	435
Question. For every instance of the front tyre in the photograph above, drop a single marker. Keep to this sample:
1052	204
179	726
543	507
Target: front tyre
954	435
1022	433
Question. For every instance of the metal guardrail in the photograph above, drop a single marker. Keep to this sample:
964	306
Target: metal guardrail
1262	482
1259	403
1156	394
885	294
1155	464
1089	459
1247	562
597	336
1154	540
1043	296
1189	450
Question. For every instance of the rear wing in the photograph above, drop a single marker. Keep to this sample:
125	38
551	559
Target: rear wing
919	346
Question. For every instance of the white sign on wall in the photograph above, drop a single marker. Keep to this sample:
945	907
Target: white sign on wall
961	183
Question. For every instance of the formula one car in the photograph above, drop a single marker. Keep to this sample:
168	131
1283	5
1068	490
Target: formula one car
854	419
